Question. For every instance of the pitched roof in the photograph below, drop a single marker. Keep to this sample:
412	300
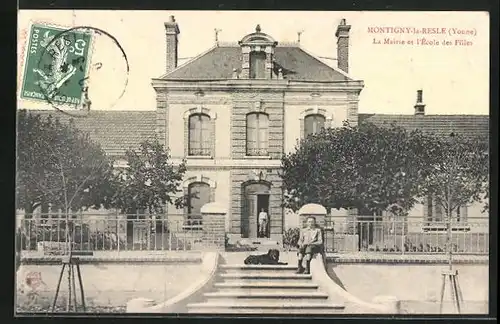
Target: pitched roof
219	62
466	125
115	131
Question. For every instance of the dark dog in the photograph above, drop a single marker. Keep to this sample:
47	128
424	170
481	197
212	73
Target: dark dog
271	257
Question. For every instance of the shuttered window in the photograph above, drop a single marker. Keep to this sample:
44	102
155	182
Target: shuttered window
199	135
257	134
313	124
257	65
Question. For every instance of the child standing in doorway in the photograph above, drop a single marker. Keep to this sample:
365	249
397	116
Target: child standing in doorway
263	223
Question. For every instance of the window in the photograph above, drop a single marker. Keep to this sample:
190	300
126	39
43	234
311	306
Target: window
257	65
437	220
438	213
313	124
430	207
199	135
199	195
257	134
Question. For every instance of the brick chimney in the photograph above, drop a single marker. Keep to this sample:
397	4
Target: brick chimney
342	35
171	32
420	106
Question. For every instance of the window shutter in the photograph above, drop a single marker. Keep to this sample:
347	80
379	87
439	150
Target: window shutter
463	214
320	120
206	138
263	133
251	133
438	213
257	65
194	134
308	125
429	208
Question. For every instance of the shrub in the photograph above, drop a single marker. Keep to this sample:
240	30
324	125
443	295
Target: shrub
291	237
83	237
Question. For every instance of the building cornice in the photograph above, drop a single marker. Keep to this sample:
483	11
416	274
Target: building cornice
249	85
216	164
229	163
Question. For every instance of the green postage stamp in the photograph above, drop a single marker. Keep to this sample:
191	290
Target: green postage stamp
56	64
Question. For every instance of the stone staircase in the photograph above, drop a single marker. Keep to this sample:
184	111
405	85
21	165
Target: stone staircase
246	289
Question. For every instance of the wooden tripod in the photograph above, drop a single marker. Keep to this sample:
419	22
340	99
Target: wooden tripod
451	275
70	262
456	293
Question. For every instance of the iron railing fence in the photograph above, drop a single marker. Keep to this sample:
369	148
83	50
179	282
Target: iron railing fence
118	232
204	151
257	151
406	235
112	233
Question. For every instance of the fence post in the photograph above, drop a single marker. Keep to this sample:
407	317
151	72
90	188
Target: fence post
117	229
315	210
403	238
148	231
214	225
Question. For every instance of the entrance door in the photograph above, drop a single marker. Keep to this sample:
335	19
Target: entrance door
255	196
252	218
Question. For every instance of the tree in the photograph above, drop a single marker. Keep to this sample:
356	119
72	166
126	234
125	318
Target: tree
369	168
458	175
458	172
58	164
150	180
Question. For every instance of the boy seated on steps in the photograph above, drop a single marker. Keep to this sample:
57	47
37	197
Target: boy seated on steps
310	242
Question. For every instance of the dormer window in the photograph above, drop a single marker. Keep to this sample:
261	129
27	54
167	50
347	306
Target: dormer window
257	65
257	51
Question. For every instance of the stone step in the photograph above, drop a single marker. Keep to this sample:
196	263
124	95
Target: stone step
267	306
255	285
257	267
264	242
267	295
299	311
283	291
255	272
267	276
242	281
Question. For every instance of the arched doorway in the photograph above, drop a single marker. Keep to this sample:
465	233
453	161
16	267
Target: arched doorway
255	197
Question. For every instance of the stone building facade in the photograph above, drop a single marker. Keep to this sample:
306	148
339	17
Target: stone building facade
233	111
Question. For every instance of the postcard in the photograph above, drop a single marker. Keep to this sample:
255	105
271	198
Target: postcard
252	162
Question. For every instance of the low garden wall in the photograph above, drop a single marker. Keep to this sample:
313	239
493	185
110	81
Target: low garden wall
109	283
416	285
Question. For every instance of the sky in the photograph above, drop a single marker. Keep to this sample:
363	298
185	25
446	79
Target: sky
454	78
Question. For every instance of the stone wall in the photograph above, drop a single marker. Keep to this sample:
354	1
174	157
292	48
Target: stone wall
109	284
410	282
